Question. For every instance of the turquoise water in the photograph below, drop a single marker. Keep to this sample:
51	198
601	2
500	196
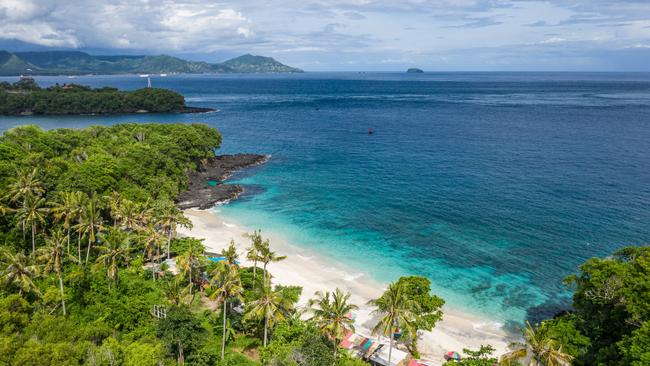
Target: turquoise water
495	186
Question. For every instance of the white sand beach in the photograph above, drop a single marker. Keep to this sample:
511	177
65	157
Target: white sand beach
318	273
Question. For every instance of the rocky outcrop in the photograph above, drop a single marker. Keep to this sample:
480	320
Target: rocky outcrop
206	187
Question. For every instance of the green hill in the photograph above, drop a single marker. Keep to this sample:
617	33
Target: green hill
75	62
11	64
257	64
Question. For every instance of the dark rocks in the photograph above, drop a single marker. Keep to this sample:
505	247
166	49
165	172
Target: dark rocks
205	186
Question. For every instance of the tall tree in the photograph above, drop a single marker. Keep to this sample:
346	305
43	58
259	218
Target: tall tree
91	221
18	270
272	306
114	253
79	201
395	311
26	184
253	252
228	286
114	203
331	313
189	262
182	331
267	256
152	240
52	257
65	210
230	254
170	218
536	350
32	213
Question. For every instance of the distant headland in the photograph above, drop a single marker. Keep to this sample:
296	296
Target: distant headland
79	63
414	70
25	97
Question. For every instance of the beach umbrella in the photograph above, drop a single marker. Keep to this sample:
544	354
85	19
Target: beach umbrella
452	355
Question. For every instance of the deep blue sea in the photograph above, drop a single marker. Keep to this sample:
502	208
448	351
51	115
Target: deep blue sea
494	185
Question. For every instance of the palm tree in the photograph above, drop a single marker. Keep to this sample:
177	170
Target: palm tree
114	252
174	292
91	221
31	214
537	350
152	240
253	252
395	311
145	214
188	262
52	257
330	313
129	214
170	218
17	270
230	254
65	210
26	185
228	286
267	256
79	202
114	201
272	306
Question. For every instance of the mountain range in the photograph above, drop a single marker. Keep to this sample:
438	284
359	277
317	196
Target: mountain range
76	62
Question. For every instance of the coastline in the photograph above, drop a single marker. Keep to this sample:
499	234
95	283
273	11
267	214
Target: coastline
316	272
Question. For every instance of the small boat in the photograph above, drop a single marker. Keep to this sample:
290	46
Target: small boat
370	131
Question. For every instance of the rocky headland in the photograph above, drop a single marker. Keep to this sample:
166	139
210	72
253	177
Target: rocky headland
206	185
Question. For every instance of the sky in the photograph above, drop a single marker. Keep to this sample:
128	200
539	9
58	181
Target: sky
347	35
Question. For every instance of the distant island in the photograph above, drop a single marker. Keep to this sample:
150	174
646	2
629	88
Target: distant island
78	63
414	70
25	97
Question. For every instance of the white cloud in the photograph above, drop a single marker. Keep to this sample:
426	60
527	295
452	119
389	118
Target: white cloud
140	24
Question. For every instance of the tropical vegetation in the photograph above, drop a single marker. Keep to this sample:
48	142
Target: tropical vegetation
26	97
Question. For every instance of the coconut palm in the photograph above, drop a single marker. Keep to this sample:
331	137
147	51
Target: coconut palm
32	213
228	286
267	256
188	263
174	291
169	219
114	252
17	269
536	350
230	254
253	252
65	210
52	256
114	202
26	185
91	221
152	240
272	306
331	314
145	214
79	202
129	214
395	311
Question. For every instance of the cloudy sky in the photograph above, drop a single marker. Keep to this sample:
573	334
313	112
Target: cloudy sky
347	34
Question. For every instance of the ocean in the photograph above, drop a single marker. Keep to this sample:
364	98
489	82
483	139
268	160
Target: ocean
496	186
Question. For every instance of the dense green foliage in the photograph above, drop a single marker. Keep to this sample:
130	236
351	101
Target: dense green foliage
20	98
611	321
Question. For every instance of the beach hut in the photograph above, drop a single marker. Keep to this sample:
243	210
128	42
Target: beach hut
380	357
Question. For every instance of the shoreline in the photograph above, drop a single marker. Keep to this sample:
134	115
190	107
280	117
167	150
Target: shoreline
317	272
